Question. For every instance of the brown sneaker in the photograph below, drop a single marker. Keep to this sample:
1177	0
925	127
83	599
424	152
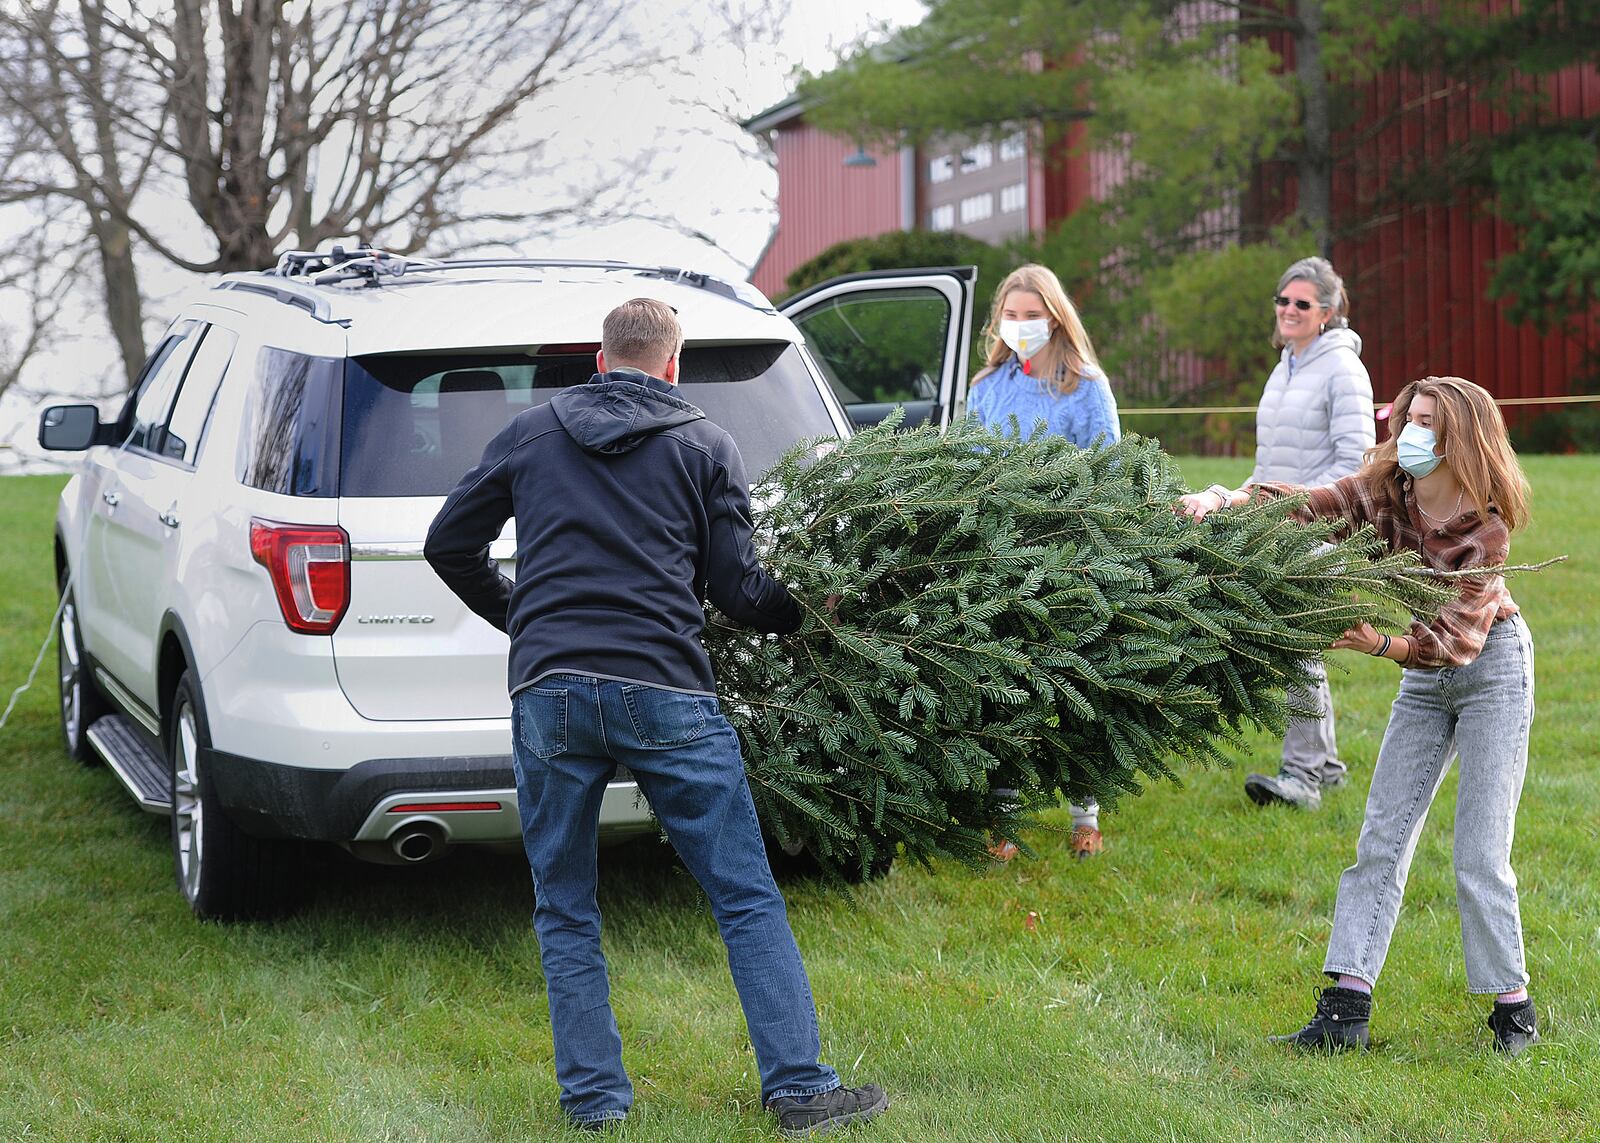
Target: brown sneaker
1086	842
1003	851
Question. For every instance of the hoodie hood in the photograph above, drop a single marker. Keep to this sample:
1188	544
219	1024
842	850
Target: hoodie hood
1327	342
616	413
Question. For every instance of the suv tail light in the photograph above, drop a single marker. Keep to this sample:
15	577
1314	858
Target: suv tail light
310	567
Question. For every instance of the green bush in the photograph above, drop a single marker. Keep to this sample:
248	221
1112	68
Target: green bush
1574	428
1216	305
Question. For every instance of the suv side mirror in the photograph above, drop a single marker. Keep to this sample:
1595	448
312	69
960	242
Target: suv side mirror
68	428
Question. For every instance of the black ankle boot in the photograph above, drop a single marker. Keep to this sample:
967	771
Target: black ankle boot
1339	1025
1515	1027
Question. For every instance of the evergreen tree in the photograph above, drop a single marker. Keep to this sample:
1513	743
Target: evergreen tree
1016	614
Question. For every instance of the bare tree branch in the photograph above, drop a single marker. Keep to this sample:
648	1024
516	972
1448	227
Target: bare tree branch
1497	569
278	122
44	274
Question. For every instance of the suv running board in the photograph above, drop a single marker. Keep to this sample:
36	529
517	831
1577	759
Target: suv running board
139	768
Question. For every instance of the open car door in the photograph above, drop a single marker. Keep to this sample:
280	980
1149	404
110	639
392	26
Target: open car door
889	338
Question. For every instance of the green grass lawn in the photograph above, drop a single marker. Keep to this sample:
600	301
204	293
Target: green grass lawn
407	1004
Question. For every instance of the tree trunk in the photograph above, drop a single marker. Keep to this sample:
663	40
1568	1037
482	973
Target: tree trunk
246	245
124	307
1316	159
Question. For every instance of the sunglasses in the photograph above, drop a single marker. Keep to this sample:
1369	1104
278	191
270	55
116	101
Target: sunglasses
1298	303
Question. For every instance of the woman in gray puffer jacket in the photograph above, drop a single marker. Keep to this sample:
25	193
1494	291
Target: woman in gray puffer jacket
1313	426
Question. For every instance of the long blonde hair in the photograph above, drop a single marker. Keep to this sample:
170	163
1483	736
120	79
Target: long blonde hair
1060	364
1469	428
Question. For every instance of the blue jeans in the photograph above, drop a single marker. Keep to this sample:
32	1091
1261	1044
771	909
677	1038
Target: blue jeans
569	733
1482	713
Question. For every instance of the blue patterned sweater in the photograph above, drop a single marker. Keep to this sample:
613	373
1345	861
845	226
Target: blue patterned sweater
1082	416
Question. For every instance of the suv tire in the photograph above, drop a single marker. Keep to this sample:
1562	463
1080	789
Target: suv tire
224	873
81	701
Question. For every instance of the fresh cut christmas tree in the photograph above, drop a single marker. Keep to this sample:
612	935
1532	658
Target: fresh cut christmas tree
1015	614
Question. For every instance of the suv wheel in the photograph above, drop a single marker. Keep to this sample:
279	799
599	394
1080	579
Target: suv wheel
224	873
81	700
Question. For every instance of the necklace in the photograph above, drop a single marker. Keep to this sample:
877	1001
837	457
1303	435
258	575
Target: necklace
1456	511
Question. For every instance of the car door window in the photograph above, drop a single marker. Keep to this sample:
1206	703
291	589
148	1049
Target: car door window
289	439
154	397
883	348
180	439
890	339
147	372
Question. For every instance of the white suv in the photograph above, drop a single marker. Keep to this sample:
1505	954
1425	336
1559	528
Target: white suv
250	637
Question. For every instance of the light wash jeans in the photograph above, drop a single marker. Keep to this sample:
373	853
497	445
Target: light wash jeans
1483	712
569	732
1310	750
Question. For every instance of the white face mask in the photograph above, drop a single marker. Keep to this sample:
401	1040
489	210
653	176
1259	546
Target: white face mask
1025	337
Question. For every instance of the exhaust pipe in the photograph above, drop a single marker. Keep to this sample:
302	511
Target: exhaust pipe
415	844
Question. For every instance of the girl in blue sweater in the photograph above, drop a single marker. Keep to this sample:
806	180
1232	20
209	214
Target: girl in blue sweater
1041	365
1042	368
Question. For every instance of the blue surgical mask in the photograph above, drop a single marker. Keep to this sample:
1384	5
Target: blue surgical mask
1414	450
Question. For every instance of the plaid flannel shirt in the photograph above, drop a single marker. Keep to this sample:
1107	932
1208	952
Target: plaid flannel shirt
1456	637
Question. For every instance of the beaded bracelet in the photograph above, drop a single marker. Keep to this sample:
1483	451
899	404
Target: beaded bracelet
1383	651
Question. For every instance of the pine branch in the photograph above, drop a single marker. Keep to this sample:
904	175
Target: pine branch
1016	614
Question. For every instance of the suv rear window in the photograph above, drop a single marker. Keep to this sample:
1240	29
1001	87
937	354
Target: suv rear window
414	424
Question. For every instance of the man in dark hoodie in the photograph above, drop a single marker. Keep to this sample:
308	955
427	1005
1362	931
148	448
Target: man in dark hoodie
631	509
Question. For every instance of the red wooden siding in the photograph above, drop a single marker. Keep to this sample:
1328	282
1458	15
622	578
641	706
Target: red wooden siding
821	201
1060	179
1418	275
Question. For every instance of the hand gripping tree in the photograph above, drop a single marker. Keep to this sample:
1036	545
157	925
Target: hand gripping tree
1015	614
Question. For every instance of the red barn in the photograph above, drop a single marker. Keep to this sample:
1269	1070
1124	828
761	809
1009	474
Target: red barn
829	190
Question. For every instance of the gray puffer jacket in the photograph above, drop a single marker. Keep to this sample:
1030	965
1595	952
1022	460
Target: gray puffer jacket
1313	425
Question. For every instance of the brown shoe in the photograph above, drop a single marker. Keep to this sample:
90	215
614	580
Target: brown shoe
1003	851
1086	842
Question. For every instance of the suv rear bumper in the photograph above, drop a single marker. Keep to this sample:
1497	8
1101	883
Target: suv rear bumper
465	800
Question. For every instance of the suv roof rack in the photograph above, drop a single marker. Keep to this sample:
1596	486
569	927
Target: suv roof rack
325	267
298	272
731	290
290	293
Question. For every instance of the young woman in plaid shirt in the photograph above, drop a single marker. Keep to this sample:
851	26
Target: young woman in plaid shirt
1446	485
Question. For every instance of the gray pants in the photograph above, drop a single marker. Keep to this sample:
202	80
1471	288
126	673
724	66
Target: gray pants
1309	748
1482	711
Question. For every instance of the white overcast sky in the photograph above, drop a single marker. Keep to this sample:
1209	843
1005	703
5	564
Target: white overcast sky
715	179
705	174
